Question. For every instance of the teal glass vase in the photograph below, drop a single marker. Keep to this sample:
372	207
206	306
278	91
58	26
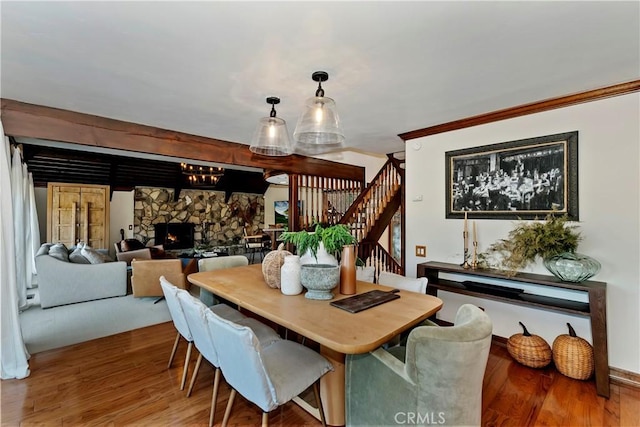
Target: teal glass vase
572	266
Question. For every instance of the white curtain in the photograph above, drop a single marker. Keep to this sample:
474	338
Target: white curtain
20	205
34	229
13	354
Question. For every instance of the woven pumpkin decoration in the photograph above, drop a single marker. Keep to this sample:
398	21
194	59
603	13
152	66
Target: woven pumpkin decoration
271	265
530	350
573	355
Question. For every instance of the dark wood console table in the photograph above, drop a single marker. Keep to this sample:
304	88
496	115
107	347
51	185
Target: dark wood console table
595	309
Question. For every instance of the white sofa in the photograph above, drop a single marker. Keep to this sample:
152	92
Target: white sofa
64	282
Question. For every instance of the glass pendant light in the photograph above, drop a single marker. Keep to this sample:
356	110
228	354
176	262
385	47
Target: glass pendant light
271	137
318	129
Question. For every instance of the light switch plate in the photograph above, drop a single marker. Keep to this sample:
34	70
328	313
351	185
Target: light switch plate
421	251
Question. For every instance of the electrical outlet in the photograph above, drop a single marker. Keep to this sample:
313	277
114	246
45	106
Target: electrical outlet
421	251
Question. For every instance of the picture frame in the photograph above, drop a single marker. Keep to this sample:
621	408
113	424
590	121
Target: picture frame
524	179
281	211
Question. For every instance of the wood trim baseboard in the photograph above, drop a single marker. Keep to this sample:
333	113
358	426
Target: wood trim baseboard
522	110
625	378
501	341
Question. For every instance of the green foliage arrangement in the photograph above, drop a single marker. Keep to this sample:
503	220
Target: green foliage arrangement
333	238
529	240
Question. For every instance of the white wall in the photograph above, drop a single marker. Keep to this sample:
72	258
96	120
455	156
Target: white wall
369	161
609	199
274	193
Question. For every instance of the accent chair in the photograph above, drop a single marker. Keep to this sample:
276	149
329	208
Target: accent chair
145	276
436	379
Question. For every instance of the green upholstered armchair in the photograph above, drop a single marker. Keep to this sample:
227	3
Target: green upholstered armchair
436	379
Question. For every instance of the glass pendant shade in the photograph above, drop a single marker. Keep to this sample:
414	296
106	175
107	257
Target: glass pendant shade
271	137
318	127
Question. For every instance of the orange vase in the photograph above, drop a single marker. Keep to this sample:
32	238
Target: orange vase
348	270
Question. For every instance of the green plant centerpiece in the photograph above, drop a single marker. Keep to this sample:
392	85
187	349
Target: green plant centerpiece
319	250
528	240
333	238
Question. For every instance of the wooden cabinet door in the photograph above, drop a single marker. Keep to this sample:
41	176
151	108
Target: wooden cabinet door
94	222
78	213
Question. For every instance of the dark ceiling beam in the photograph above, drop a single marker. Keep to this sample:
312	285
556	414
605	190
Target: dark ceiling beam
522	110
20	119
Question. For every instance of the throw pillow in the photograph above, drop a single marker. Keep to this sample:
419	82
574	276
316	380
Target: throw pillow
59	251
406	283
94	256
76	255
44	249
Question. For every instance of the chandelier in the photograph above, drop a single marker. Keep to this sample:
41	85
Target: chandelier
201	175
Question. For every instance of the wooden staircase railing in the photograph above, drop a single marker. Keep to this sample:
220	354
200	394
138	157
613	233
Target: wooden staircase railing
372	211
376	256
315	199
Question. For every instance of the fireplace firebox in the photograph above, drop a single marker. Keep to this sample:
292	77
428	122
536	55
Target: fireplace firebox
175	235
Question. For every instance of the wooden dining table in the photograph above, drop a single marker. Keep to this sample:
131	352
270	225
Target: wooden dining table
338	332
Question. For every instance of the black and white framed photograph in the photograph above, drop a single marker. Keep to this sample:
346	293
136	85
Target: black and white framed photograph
524	179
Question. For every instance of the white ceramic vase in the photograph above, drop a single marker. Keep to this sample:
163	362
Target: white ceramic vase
322	257
290	275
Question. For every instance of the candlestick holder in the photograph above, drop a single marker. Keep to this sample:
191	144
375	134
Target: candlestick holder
465	263
474	260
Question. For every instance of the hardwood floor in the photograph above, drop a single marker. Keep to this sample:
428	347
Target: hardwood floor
124	380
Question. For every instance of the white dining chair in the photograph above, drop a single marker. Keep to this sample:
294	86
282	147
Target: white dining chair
192	308
194	311
418	285
179	322
366	274
269	375
402	282
218	263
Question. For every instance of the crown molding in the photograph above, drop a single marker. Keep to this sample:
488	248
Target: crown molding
526	109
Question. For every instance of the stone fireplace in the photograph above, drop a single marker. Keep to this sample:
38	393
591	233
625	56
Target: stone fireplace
175	235
215	222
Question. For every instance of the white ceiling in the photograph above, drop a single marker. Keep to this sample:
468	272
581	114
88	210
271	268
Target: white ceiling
205	68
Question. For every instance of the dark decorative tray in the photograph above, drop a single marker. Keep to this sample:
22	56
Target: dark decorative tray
492	289
366	300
